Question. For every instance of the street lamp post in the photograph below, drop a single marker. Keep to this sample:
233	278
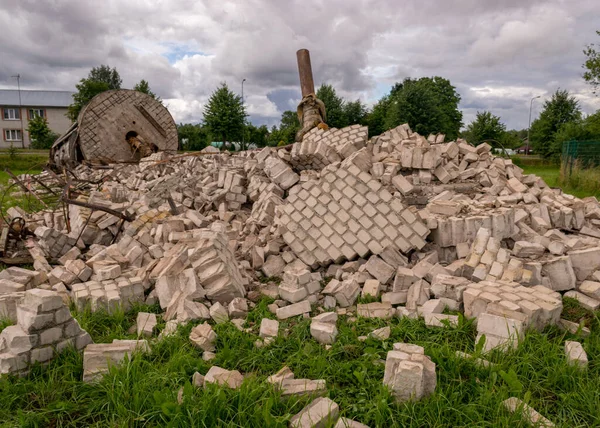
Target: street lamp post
18	77
244	128
529	127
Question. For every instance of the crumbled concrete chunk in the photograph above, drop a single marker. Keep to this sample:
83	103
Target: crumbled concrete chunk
145	324
529	414
97	357
409	375
302	387
375	310
381	333
575	353
318	414
324	333
202	336
269	328
294	310
219	313
230	378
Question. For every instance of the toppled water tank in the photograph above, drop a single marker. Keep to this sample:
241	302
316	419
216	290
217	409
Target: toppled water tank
117	126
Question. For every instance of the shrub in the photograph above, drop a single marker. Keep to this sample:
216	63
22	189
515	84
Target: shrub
42	137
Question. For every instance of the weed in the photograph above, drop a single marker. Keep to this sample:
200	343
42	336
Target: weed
5	322
12	152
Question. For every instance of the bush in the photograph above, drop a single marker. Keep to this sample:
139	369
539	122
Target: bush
517	160
12	152
42	137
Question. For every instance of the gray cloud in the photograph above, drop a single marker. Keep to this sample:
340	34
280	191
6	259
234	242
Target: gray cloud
497	54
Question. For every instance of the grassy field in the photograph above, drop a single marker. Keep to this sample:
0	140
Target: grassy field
143	391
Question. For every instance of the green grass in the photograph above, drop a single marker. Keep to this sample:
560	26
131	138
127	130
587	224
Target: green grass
551	175
24	162
587	179
143	391
4	322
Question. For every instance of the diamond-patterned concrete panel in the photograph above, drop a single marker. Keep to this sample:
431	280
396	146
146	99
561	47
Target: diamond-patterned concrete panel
344	141
344	215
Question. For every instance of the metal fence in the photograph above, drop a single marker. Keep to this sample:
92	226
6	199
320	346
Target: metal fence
583	154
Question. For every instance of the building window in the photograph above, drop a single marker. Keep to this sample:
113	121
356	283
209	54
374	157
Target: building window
12	134
12	114
36	112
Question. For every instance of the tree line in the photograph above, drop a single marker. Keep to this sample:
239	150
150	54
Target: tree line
427	104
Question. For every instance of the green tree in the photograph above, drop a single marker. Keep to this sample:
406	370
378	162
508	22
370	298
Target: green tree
144	86
513	139
562	108
592	66
486	128
334	106
256	135
428	105
225	115
587	128
414	103
286	132
192	137
106	74
275	137
375	119
99	79
42	137
355	112
448	99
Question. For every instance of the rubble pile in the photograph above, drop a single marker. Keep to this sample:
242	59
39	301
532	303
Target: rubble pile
44	327
416	224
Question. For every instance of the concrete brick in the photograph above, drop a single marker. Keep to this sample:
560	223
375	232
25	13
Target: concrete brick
529	415
324	333
575	354
294	310
318	414
268	328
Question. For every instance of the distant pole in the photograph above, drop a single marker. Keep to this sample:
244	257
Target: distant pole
244	128
18	76
529	127
307	84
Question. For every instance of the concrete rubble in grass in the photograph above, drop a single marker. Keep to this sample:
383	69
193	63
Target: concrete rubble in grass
409	373
318	414
98	357
230	378
398	225
575	354
529	414
44	328
323	328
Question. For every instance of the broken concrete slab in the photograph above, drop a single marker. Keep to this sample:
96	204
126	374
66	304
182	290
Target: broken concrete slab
530	415
322	332
575	354
410	376
97	358
294	310
318	414
145	323
230	378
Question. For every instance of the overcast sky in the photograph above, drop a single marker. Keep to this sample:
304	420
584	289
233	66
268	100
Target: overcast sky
498	53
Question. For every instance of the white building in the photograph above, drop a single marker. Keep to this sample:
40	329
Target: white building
14	120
